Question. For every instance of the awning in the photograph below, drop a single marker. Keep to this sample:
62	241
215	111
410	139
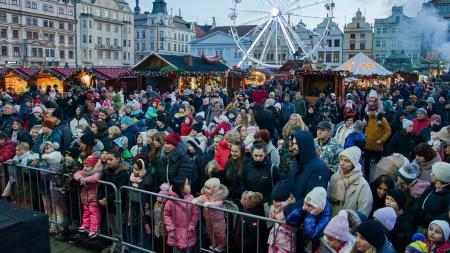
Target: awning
109	73
4	71
26	73
63	73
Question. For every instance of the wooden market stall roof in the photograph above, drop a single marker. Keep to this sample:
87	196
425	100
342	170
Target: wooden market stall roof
363	66
26	73
4	71
63	73
109	73
181	63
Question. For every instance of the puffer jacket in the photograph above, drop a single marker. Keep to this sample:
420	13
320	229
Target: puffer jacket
222	153
174	164
66	136
7	151
387	248
89	191
313	225
181	222
309	172
420	124
431	206
214	216
375	133
259	178
437	248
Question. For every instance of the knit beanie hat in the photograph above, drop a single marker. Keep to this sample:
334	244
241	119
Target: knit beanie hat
120	141
198	127
444	227
88	138
317	197
213	183
422	110
373	232
436	117
194	142
353	154
48	123
281	191
418	244
338	227
408	172
373	94
441	170
399	196
163	190
172	138
224	118
127	121
386	216
91	160
407	123
37	109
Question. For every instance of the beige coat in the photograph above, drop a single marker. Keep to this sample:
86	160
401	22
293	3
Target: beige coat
358	196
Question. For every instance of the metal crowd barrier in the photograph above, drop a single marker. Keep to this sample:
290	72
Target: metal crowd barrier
135	208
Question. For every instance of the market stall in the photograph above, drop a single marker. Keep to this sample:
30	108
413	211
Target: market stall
365	72
166	72
314	82
115	77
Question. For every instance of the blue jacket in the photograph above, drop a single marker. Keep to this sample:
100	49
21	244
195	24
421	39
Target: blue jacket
287	109
55	136
387	248
313	226
355	138
309	172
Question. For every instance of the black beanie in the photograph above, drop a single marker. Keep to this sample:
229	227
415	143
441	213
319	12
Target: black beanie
198	127
88	138
399	196
281	191
373	232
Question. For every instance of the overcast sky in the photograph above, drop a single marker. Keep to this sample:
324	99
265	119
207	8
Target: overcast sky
202	11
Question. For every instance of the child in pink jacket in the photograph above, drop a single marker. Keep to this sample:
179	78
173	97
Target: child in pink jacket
213	194
181	218
89	177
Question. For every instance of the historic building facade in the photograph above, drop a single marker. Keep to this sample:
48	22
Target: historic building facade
37	33
105	33
358	37
161	32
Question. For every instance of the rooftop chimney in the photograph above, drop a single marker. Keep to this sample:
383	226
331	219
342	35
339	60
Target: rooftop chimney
188	60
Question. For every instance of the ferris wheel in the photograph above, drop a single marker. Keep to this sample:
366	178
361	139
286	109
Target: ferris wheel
263	29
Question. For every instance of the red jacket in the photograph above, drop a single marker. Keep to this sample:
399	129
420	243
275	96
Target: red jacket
225	126
7	151
420	124
439	248
222	154
259	96
185	129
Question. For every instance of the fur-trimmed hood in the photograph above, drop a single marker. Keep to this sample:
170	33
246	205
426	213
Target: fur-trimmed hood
221	194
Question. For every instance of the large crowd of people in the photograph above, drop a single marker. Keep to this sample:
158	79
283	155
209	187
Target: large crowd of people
368	172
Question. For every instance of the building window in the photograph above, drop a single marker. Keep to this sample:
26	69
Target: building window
61	10
40	52
336	57
116	55
108	27
362	35
90	24
84	38
124	56
352	36
362	46
394	30
138	35
70	40
61	25
168	46
34	5
4	51
99	26
352	46
383	44
90	39
62	39
16	51
62	54
15	34
108	41
175	47
116	29
15	19
143	34
116	42
28	4
350	56
337	43
320	57
161	46
138	45
13	2
70	27
35	21
152	46
377	57
384	30
328	57
143	46
3	33
70	54
3	17
99	40
108	55
330	43
83	24
377	43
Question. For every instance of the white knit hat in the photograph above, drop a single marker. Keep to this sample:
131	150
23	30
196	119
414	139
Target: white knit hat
373	94
317	197
441	171
352	153
407	123
213	183
386	216
444	227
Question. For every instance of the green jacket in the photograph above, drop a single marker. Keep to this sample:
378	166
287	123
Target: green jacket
300	106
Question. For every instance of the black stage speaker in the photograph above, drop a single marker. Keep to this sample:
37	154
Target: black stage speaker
23	230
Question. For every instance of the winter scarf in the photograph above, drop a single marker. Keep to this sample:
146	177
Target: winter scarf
340	184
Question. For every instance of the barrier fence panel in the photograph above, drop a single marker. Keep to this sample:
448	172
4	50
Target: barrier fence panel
140	220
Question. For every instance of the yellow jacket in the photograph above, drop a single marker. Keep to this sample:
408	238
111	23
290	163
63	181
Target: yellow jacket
374	133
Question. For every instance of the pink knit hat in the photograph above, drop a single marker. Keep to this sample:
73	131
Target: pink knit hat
338	227
164	190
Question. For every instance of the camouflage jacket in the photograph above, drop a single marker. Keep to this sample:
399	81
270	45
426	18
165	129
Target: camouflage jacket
329	152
